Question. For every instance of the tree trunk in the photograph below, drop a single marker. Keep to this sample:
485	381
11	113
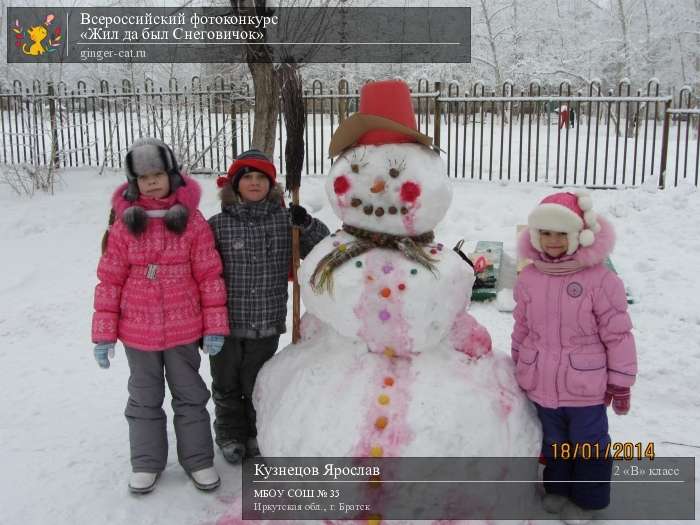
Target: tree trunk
681	55
265	85
492	43
266	107
518	54
650	51
622	17
697	46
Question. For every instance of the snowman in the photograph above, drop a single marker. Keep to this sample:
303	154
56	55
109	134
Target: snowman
390	363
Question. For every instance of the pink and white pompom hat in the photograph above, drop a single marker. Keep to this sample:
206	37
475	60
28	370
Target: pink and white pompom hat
567	212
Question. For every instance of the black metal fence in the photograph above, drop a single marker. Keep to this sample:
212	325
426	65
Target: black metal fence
532	134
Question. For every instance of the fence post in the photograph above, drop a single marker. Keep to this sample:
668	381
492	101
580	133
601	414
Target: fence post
664	145
343	89
436	115
54	131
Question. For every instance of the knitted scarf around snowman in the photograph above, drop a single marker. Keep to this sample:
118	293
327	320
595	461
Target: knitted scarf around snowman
410	247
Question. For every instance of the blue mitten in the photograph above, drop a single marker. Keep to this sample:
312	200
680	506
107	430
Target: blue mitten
103	351
213	344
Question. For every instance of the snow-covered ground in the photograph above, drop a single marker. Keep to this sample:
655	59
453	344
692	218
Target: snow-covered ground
63	436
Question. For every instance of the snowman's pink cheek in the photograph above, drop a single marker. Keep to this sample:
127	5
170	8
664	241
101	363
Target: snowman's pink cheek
341	185
410	191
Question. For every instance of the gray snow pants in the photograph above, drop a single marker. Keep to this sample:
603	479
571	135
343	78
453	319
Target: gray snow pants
233	373
146	417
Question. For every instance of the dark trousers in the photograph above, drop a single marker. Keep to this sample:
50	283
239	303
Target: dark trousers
233	373
145	415
576	425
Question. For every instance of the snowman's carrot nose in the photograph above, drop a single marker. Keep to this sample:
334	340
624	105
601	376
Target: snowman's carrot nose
378	186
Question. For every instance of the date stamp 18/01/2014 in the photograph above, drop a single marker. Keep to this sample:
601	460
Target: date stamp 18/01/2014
616	450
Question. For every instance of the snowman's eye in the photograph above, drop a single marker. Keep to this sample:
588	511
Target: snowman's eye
396	167
357	159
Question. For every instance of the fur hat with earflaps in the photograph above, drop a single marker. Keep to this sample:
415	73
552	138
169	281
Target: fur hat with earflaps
146	156
567	212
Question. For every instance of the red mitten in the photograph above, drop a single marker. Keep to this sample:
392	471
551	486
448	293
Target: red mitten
619	396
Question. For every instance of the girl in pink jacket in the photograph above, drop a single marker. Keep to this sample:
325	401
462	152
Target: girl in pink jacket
572	345
160	291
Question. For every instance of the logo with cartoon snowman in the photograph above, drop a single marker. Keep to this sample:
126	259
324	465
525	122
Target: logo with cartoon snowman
35	41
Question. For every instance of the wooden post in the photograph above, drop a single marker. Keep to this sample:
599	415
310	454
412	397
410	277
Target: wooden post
437	115
342	101
664	146
54	129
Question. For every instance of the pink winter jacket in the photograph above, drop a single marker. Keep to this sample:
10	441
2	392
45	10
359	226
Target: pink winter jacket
185	296
572	334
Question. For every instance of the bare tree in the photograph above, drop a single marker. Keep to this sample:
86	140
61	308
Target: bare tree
492	36
650	51
622	19
697	46
266	80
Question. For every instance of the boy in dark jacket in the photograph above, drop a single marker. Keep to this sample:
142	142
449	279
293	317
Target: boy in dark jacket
253	236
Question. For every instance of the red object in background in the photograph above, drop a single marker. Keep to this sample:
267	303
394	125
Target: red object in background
563	117
480	264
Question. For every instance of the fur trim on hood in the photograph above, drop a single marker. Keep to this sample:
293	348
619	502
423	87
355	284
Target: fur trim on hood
228	196
179	205
587	256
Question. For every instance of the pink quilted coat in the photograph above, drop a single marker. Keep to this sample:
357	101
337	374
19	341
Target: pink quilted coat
572	334
159	290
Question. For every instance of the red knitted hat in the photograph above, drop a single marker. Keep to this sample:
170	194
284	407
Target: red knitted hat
251	160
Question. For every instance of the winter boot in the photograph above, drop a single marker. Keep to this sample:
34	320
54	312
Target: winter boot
205	479
572	514
553	503
252	450
143	482
233	452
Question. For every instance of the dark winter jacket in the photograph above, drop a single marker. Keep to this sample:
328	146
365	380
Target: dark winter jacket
255	243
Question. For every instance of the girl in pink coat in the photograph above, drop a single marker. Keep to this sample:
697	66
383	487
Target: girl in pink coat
572	345
160	292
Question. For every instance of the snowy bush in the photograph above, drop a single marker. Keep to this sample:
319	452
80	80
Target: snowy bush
25	179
